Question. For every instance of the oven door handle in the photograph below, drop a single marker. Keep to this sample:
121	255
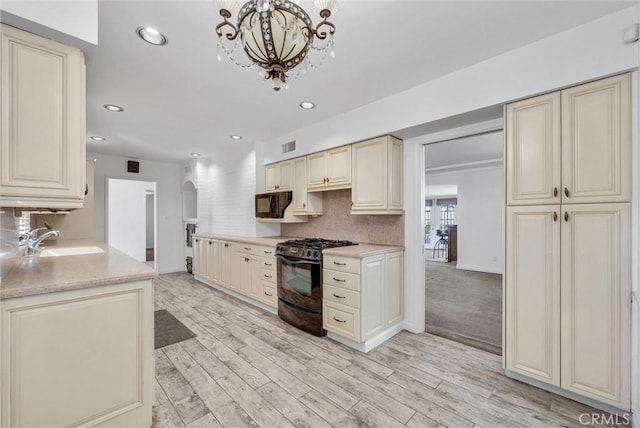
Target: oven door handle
297	261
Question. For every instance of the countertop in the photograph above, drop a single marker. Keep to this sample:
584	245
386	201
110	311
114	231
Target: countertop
360	250
35	275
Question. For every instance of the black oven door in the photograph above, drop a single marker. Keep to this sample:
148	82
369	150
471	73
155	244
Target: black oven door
300	283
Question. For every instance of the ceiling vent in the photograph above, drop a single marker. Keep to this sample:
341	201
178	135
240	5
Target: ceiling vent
289	147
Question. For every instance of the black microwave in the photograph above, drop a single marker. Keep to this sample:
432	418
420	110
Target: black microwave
272	205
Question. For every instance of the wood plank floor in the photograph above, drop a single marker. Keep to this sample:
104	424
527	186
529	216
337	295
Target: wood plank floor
247	368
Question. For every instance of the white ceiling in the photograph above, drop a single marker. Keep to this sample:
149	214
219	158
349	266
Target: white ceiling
179	99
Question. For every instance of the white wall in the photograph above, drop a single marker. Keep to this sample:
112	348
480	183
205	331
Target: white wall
478	215
167	176
557	61
77	18
150	221
226	199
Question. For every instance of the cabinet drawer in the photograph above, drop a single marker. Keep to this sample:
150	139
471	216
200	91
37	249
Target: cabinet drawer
268	275
342	264
269	294
268	263
341	320
257	250
341	296
341	279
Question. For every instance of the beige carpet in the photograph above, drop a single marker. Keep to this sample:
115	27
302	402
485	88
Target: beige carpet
464	306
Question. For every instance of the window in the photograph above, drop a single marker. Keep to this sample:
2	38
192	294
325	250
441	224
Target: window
427	223
447	214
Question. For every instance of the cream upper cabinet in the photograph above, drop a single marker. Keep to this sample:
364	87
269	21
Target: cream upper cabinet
532	292
532	130
596	296
279	176
377	176
572	146
304	203
329	170
42	153
596	141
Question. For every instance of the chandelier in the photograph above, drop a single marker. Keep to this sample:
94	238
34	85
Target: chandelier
277	35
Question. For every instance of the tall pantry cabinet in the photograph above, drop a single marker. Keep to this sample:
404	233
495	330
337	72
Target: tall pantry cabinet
567	272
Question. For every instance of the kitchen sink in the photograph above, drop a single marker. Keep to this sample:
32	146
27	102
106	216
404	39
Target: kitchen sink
70	251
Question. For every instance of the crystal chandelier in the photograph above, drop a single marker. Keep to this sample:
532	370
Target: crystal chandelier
277	35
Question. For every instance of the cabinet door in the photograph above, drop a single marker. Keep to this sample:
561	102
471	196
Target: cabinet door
316	171
369	189
533	150
199	257
394	267
339	167
79	358
286	175
372	289
42	154
210	254
299	185
225	258
596	302
271	177
596	141
245	274
532	292
395	176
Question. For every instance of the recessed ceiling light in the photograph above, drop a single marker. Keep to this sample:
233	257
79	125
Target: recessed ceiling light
307	105
151	35
97	138
112	107
195	155
236	137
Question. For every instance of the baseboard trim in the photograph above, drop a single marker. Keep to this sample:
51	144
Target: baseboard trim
370	344
571	395
478	268
171	270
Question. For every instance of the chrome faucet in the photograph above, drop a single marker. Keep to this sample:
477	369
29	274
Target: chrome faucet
33	243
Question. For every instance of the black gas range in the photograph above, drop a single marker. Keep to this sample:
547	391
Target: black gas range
308	248
300	281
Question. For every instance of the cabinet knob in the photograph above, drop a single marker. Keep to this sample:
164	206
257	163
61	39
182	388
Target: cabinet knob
86	189
566	216
247	248
566	192
336	319
555	216
328	179
209	242
267	276
267	294
339	280
338	297
304	205
555	192
226	245
324	180
339	264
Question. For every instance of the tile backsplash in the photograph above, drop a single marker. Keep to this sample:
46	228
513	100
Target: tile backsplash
338	223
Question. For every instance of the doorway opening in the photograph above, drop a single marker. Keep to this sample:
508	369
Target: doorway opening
131	218
463	239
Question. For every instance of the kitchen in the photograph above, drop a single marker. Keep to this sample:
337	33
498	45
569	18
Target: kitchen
227	182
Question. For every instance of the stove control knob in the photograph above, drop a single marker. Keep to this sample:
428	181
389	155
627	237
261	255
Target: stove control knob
316	254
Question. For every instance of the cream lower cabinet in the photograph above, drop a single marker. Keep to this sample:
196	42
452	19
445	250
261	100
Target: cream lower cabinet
79	358
42	144
362	298
201	257
247	269
377	176
568	304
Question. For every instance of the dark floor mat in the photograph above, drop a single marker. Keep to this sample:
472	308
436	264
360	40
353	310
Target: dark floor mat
168	330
